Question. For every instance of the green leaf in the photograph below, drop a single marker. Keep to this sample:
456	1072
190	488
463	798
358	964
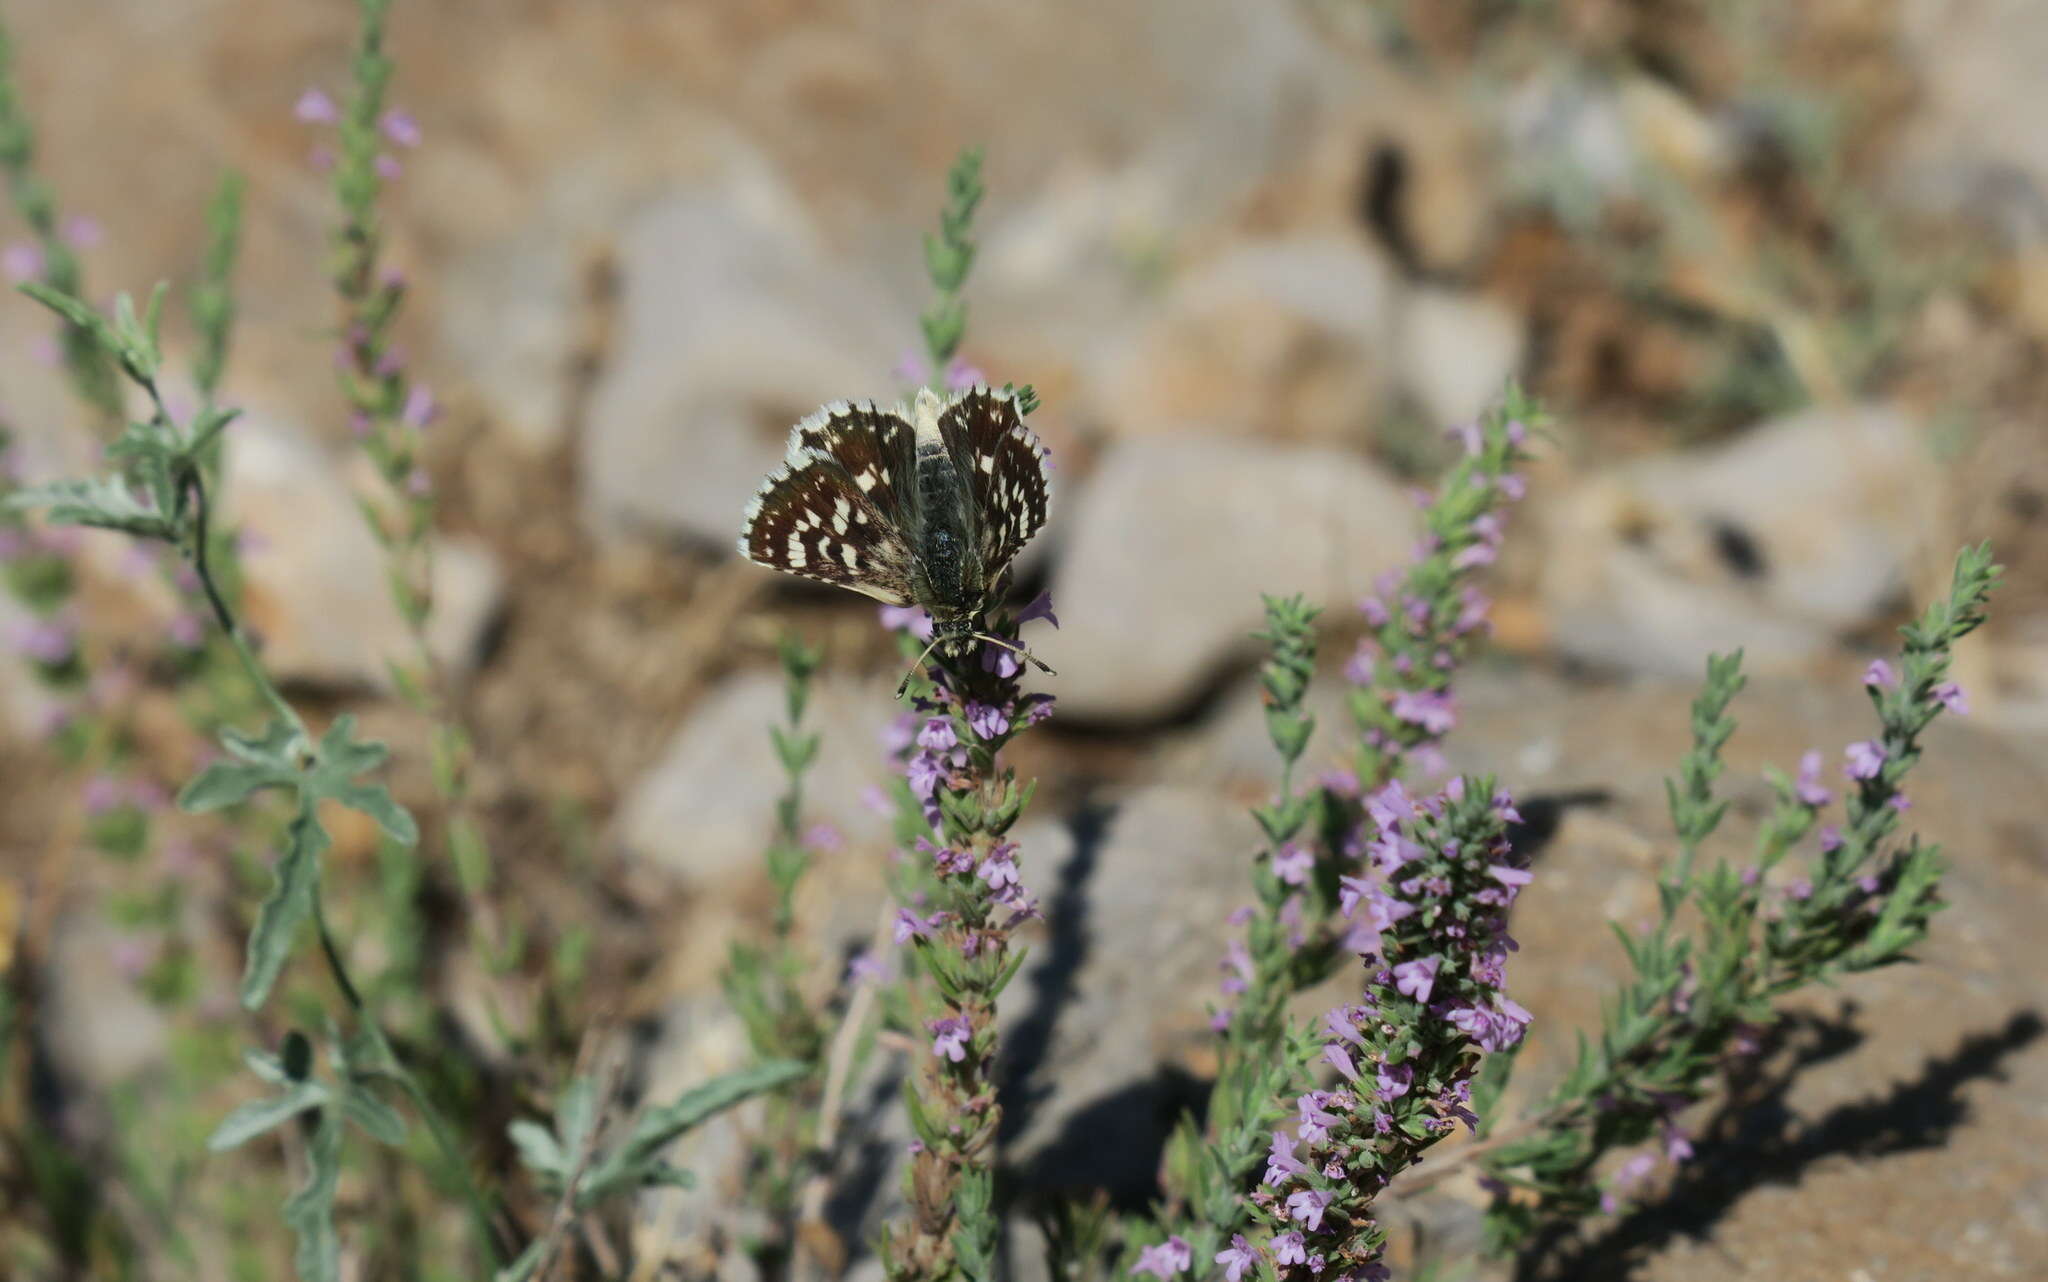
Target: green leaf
340	759
378	1120
290	903
310	1211
522	1268
539	1150
257	1116
103	504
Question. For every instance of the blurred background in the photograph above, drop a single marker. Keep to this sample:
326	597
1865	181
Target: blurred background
1780	271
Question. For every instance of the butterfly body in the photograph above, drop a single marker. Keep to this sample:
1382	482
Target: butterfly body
921	505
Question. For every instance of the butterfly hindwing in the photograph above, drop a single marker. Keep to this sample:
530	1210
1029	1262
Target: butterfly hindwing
1002	465
812	519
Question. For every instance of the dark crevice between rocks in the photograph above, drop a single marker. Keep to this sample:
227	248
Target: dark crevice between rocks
1755	1139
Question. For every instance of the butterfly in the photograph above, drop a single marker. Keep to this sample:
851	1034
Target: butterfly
922	505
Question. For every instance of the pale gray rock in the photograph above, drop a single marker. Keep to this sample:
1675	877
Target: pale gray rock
734	323
1283	338
1778	542
1457	352
706	809
1169	546
317	592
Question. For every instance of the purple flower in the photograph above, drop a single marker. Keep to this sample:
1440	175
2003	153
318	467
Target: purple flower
825	839
960	375
83	231
1801	889
1293	862
1004	663
938	735
1880	675
387	167
1375	611
1238	971
1307	1206
1394	1080
1808	785
420	406
1677	1148
1830	839
1000	868
1236	1258
1359	668
1473	555
1281	1161
1391	806
46	641
400	127
1467	435
987	721
1900	802
314	107
867	968
1950	695
908	616
1340	1059
949	1037
1164	1260
909	927
1507	876
1513	487
1288	1248
1430	709
1040	608
1314	1121
1416	978
22	262
925	772
187	630
1866	759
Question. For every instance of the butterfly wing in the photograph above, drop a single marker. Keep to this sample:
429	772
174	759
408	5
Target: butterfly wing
834	511
1003	467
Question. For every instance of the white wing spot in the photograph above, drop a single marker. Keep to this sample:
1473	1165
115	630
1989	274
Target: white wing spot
987	464
848	556
796	551
867	479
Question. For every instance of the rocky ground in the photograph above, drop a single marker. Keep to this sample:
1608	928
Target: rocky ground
1782	276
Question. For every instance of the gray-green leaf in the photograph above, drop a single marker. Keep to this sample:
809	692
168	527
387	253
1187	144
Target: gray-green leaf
290	903
106	503
310	1211
257	1116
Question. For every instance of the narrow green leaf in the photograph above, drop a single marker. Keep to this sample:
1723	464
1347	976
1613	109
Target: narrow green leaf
290	903
310	1211
257	1116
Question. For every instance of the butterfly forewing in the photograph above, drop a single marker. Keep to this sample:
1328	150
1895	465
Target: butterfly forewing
1003	466
874	445
813	519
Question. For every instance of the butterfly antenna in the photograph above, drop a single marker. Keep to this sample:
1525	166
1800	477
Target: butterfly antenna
915	664
1036	662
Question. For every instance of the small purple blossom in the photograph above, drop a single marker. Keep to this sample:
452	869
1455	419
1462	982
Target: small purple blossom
1293	863
1394	1080
999	869
1306	1207
987	721
908	926
1866	759
1359	668
1808	784
908	616
1880	675
949	1037
1236	1258
937	735
1164	1260
22	262
1338	1058
314	107
1950	695
1289	1248
1830	839
420	406
400	127
1416	978
1040	608
866	968
1281	1161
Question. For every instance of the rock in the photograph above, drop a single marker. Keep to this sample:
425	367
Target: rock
102	1029
1275	338
1977	69
1457	352
733	325
1106	1034
1170	545
705	810
315	576
1778	542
